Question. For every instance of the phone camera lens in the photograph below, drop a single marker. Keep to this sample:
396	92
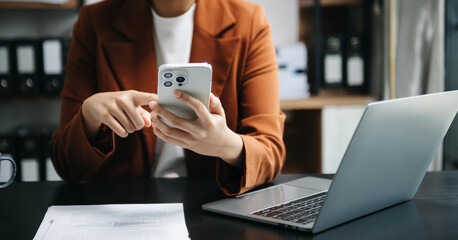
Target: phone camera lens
181	79
168	83
168	75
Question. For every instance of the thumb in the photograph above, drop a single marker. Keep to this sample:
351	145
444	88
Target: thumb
146	116
215	106
143	98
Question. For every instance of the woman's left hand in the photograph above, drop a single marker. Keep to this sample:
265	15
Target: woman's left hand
206	135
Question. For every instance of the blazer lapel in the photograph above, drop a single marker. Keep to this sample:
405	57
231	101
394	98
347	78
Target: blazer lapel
132	59
212	19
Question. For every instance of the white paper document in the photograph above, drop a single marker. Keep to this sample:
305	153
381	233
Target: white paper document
114	221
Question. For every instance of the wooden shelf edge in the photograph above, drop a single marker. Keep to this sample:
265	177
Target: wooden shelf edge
70	5
319	102
327	3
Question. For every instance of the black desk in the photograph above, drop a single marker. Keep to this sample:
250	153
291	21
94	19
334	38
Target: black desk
433	214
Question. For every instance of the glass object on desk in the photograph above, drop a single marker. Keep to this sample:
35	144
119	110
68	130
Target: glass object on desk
292	69
7	170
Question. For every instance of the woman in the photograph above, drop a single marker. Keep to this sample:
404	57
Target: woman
110	126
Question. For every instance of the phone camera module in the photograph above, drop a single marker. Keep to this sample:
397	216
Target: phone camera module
180	79
168	75
168	83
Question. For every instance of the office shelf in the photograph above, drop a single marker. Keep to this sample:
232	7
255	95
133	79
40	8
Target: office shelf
70	5
324	3
303	127
318	102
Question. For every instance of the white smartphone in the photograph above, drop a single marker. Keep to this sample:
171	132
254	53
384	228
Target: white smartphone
192	78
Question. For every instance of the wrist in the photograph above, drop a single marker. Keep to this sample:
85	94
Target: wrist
232	151
90	123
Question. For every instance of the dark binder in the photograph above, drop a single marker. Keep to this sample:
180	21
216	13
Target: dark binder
6	68
28	62
355	62
53	73
29	155
333	61
6	144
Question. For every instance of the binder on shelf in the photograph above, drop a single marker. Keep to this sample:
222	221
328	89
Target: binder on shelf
333	60
29	155
53	73
6	68
355	62
28	62
50	171
6	144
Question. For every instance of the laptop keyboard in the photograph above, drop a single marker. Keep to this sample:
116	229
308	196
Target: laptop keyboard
302	211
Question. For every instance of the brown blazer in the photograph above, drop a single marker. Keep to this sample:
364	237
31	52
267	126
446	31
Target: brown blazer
113	50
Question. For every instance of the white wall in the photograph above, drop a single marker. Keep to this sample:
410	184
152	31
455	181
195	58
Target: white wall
283	16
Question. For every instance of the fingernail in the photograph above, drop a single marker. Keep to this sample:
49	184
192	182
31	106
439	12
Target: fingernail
178	94
152	104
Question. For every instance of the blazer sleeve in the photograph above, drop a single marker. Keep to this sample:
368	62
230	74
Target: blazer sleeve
74	158
261	122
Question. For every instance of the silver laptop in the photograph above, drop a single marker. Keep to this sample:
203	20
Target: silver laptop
384	164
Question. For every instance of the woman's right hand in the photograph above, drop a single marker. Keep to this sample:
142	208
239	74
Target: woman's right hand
121	111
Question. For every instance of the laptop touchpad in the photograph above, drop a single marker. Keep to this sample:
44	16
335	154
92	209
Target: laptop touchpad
278	194
311	182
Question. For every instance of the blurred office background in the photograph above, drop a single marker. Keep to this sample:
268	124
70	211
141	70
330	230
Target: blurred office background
333	58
